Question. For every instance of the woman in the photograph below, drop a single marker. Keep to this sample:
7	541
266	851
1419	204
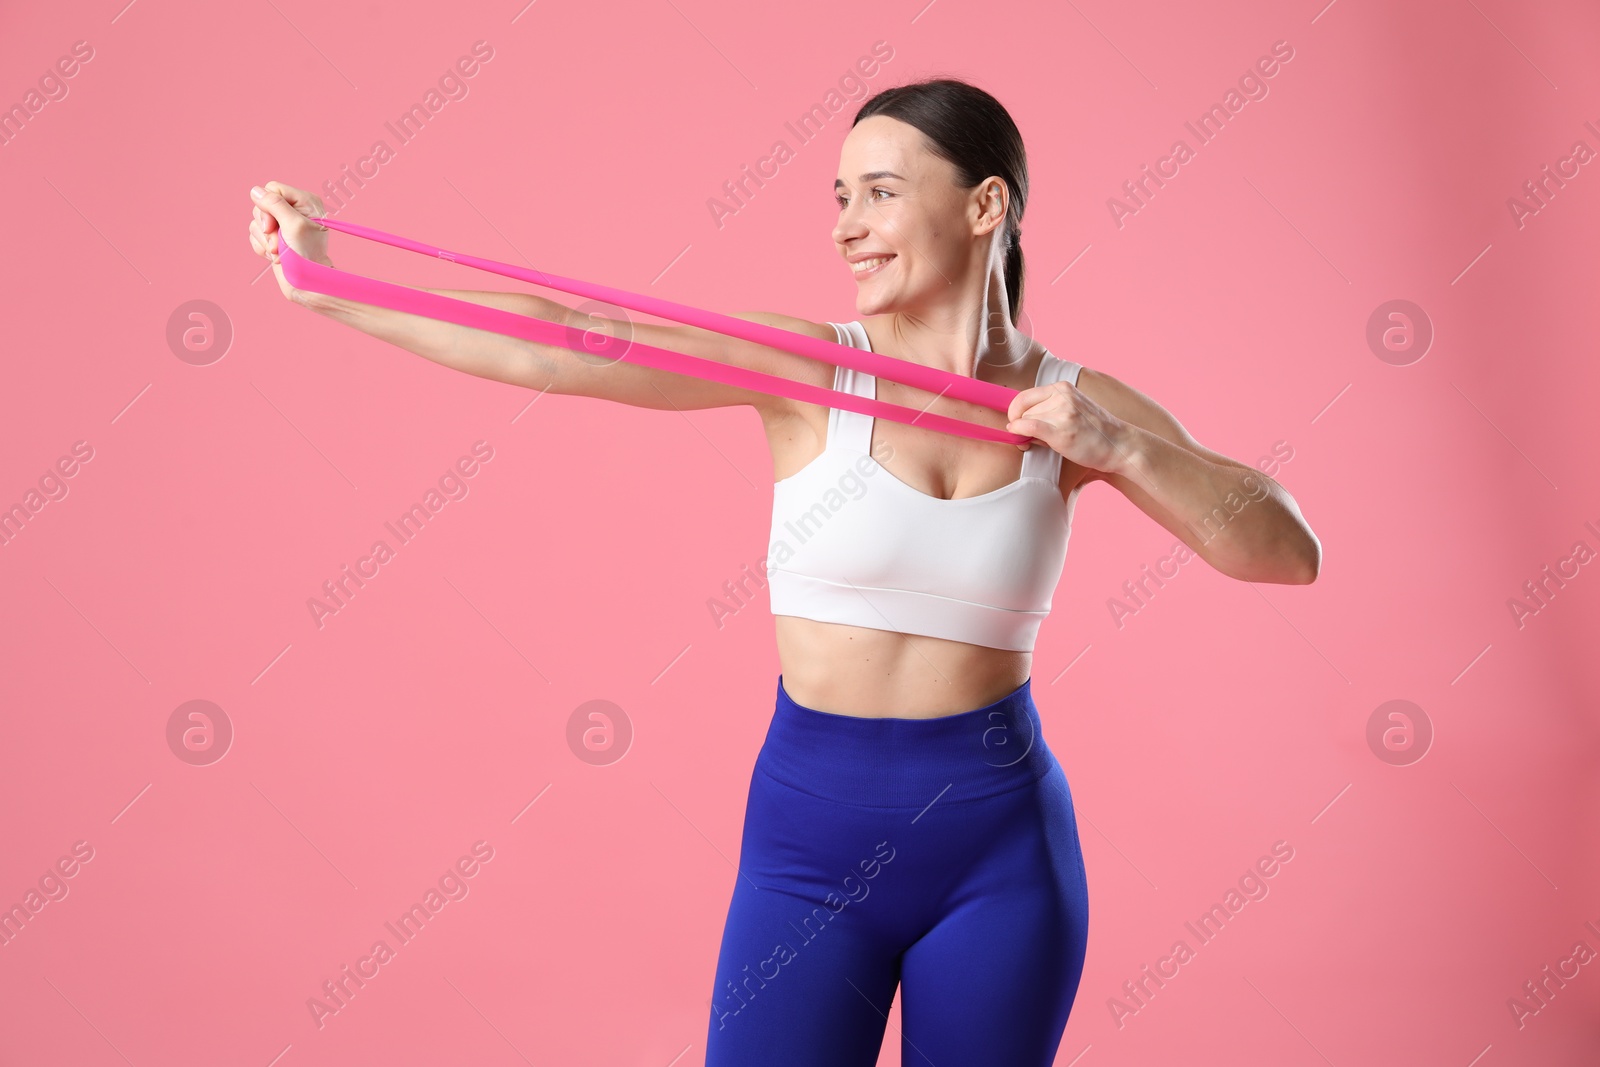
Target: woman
906	824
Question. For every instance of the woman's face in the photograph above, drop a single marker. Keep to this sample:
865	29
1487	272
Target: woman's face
898	199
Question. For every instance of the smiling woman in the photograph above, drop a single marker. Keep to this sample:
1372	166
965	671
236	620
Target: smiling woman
883	532
946	115
911	569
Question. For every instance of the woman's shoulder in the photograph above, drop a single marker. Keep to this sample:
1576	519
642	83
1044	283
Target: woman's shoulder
791	323
785	364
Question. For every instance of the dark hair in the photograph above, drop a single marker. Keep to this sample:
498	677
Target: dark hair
971	130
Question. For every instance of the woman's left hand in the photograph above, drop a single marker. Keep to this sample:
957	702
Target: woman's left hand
1069	422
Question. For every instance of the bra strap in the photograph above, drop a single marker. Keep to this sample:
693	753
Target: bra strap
1042	461
852	429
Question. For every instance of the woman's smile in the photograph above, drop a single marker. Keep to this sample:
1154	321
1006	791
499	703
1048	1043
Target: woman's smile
867	267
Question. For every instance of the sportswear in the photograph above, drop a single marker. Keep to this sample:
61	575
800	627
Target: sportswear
851	543
940	855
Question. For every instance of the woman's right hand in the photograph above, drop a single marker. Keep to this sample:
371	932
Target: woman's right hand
282	212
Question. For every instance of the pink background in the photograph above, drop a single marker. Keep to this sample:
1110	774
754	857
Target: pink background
371	753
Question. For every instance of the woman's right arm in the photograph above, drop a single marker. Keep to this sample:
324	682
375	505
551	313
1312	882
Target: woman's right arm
517	361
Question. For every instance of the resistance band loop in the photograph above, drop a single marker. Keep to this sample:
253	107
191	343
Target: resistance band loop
315	277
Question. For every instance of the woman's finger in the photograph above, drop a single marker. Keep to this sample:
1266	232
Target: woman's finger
1021	402
1024	427
307	203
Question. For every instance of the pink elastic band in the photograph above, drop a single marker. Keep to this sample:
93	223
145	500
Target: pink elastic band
315	277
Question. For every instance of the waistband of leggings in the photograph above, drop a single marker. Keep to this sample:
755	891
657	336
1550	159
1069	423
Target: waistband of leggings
904	762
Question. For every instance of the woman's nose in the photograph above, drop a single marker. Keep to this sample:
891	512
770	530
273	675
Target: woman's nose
849	226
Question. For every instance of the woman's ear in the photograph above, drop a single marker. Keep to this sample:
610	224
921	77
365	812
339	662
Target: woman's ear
991	204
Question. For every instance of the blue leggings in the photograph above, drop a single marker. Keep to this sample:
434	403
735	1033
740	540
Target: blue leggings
938	854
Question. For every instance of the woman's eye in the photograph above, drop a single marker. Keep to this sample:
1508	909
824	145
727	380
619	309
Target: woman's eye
842	201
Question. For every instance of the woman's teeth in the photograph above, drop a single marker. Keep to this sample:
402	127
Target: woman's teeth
867	266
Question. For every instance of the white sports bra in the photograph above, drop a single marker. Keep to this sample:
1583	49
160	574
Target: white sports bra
853	544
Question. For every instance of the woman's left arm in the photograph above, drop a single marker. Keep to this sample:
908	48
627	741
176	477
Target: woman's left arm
1232	515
